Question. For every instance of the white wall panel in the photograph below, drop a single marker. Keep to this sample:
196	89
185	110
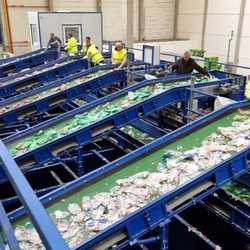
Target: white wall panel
222	25
224	7
74	5
112	20
191	7
190	21
159	19
223	17
136	20
247	8
245	27
18	19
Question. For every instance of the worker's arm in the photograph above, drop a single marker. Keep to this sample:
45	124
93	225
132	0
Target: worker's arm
247	90
70	45
60	41
201	70
48	44
174	66
87	56
82	50
112	59
124	60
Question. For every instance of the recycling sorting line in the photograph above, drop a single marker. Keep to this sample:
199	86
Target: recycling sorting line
143	98
153	185
38	78
28	61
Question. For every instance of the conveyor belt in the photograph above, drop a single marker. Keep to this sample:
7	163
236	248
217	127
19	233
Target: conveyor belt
20	57
38	100
29	62
68	156
38	78
155	213
102	121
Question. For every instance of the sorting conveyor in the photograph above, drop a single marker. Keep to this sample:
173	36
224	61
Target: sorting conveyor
155	216
66	164
17	84
14	58
111	115
13	110
42	99
27	61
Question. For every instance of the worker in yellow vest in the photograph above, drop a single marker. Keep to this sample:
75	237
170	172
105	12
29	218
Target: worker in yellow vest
119	55
94	55
86	45
247	90
71	47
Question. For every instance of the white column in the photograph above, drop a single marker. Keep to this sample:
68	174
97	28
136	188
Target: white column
142	19
239	31
127	21
204	24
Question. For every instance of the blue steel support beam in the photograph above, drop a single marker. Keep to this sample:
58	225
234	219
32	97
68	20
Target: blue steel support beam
7	230
40	218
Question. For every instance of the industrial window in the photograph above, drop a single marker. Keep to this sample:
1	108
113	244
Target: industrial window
75	30
34	35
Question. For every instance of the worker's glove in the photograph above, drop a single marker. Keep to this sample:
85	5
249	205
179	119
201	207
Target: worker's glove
85	57
170	68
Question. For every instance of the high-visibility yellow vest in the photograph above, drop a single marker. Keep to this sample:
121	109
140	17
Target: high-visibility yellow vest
247	90
94	55
118	56
72	46
85	47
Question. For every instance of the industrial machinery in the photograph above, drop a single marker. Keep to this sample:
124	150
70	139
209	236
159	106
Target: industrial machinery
158	202
15	64
61	158
24	82
116	170
32	107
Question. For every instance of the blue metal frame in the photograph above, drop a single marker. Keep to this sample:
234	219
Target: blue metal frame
156	212
39	67
11	59
43	77
70	93
47	230
119	119
28	62
42	104
239	211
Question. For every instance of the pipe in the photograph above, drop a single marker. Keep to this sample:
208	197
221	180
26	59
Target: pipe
7	21
27	6
20	42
